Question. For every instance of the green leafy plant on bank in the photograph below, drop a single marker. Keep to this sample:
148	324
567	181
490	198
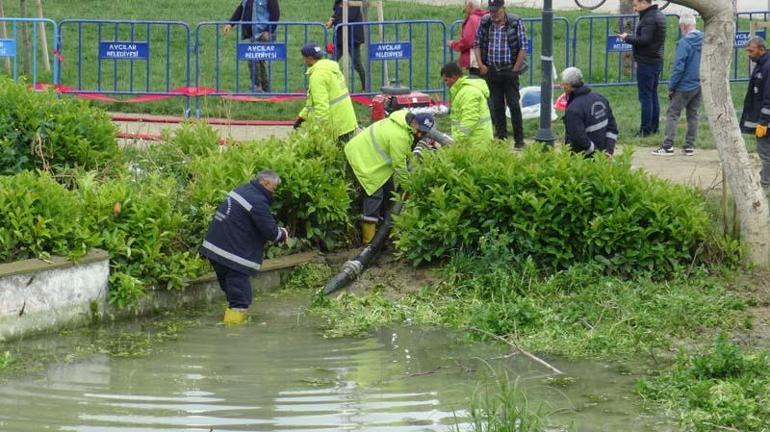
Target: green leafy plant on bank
38	130
504	407
724	388
578	312
556	208
39	218
313	200
139	224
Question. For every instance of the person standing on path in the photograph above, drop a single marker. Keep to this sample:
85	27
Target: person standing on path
236	237
255	14
756	105
501	48
684	88
328	99
464	45
647	43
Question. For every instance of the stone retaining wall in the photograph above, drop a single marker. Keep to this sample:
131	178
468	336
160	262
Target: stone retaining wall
38	296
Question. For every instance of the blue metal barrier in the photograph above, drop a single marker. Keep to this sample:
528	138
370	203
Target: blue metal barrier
11	47
602	60
223	63
534	27
412	52
116	57
741	70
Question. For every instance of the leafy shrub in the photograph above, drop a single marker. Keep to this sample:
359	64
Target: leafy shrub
724	388
39	217
172	158
41	131
140	225
313	201
557	208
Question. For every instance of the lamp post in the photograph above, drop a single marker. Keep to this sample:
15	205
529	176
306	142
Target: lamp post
545	133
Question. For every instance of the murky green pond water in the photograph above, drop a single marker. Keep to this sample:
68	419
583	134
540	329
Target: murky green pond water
279	374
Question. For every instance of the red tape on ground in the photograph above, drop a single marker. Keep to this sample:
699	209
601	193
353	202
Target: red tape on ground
182	91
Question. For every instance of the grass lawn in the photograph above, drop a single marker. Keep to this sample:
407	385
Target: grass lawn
167	69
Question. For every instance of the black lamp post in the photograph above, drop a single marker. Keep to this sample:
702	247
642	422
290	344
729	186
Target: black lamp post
545	133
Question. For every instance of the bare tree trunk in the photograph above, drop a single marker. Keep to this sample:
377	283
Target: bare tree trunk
43	37
751	202
26	54
625	24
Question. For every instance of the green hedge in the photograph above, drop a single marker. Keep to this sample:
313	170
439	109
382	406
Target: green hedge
152	212
314	198
38	130
557	208
38	218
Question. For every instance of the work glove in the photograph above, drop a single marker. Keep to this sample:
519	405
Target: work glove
761	131
298	122
284	235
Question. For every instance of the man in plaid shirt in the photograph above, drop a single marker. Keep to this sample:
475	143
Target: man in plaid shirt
501	48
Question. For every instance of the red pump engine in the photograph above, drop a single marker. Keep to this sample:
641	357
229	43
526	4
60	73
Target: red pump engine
394	97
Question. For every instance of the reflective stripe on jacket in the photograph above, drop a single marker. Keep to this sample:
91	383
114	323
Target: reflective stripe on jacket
240	228
380	151
470	110
589	122
328	98
756	105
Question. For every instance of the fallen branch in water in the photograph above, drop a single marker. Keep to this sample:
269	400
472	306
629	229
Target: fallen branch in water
515	346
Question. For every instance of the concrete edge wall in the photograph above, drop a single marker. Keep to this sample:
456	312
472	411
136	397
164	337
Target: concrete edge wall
38	296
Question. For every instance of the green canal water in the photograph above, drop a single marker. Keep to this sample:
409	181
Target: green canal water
279	374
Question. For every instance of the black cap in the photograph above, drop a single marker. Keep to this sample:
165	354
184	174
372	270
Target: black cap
312	50
494	5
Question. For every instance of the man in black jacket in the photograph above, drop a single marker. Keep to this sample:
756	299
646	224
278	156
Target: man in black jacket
647	43
355	38
257	13
236	238
501	50
756	106
590	124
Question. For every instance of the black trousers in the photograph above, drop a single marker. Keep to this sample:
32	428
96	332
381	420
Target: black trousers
375	206
504	90
355	55
236	285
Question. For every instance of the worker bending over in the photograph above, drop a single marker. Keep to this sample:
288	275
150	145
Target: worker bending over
589	122
235	241
328	99
377	154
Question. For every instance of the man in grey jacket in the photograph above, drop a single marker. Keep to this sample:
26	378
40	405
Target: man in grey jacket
684	88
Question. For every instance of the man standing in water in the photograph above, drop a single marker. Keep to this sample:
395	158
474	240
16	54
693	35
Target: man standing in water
235	241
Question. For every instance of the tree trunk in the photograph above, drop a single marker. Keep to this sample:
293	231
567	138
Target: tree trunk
752	206
626	26
26	54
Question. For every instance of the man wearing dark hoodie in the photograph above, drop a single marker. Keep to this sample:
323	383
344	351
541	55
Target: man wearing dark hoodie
684	87
647	42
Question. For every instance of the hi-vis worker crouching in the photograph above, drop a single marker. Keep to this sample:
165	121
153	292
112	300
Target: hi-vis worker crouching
327	96
236	238
377	154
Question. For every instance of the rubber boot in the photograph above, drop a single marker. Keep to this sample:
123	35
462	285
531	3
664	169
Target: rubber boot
234	316
367	232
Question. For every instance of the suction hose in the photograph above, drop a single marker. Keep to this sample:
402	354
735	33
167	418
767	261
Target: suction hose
353	268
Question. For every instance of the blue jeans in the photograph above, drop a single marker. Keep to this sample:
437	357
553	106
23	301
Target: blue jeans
647	78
